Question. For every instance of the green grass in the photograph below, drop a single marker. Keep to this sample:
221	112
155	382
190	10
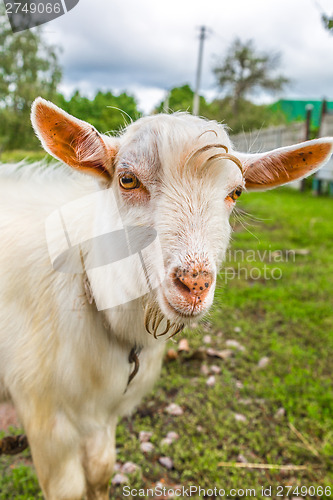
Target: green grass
16	156
290	321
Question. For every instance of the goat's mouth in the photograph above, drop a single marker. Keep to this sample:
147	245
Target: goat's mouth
179	311
169	314
188	290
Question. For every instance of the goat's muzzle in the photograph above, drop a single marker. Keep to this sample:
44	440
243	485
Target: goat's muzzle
190	289
193	285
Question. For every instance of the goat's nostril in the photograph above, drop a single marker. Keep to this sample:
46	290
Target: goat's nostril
179	282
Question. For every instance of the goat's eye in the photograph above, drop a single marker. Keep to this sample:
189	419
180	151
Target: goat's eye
129	181
235	194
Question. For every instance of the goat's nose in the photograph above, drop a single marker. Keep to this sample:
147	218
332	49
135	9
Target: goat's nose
193	284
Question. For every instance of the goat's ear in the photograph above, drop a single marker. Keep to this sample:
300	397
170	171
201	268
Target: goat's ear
283	165
73	141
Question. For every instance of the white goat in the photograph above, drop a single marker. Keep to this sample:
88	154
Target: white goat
63	363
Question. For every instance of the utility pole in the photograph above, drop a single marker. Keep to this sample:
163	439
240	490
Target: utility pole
166	108
196	102
308	110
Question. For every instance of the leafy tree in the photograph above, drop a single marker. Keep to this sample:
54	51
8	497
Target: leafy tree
28	68
244	70
181	99
106	111
250	116
327	22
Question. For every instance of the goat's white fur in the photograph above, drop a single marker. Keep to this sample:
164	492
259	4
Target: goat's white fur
63	364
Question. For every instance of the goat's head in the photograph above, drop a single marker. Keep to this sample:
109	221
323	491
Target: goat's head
178	174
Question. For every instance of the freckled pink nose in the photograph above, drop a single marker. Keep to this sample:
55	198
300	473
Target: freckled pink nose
194	285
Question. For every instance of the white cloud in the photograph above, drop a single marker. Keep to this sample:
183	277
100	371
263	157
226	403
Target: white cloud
150	47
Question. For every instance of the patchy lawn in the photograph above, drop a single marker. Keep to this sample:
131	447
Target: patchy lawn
18	155
255	386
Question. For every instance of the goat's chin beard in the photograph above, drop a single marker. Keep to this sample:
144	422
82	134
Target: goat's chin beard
161	318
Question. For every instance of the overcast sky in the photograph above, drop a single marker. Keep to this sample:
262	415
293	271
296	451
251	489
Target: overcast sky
148	46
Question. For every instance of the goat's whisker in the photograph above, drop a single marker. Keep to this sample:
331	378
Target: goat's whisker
242	212
243	224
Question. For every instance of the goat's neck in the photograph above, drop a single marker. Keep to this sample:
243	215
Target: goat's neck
127	324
